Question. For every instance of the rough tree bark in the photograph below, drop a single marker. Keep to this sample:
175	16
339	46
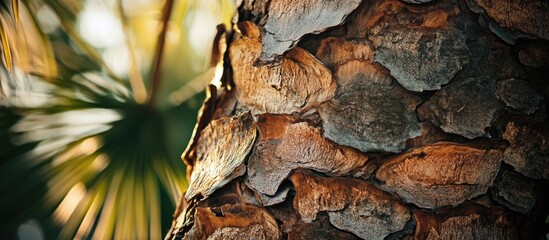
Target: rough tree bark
375	119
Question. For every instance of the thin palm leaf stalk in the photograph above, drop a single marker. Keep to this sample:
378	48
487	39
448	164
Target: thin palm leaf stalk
136	80
381	119
156	72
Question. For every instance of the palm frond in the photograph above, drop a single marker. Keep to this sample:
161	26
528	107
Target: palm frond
78	149
26	46
6	51
68	24
102	157
15	10
136	80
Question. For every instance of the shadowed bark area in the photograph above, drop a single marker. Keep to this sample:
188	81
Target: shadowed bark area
379	119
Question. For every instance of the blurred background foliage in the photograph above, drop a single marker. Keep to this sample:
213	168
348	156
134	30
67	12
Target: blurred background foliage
85	150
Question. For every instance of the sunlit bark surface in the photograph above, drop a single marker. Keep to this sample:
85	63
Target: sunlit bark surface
379	119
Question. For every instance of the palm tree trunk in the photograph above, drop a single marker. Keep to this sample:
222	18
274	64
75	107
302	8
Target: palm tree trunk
380	119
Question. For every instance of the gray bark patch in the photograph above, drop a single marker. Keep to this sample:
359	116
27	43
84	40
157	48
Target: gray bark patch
515	192
529	149
289	21
465	107
369	112
517	94
420	59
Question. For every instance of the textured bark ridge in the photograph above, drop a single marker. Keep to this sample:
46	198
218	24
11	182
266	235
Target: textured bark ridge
352	205
456	110
535	54
320	228
286	144
442	174
517	94
469	221
417	1
297	84
377	119
370	112
420	47
529	150
221	150
288	21
515	192
241	221
526	17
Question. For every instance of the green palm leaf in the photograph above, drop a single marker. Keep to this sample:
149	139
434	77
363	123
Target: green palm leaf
6	51
94	156
78	151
